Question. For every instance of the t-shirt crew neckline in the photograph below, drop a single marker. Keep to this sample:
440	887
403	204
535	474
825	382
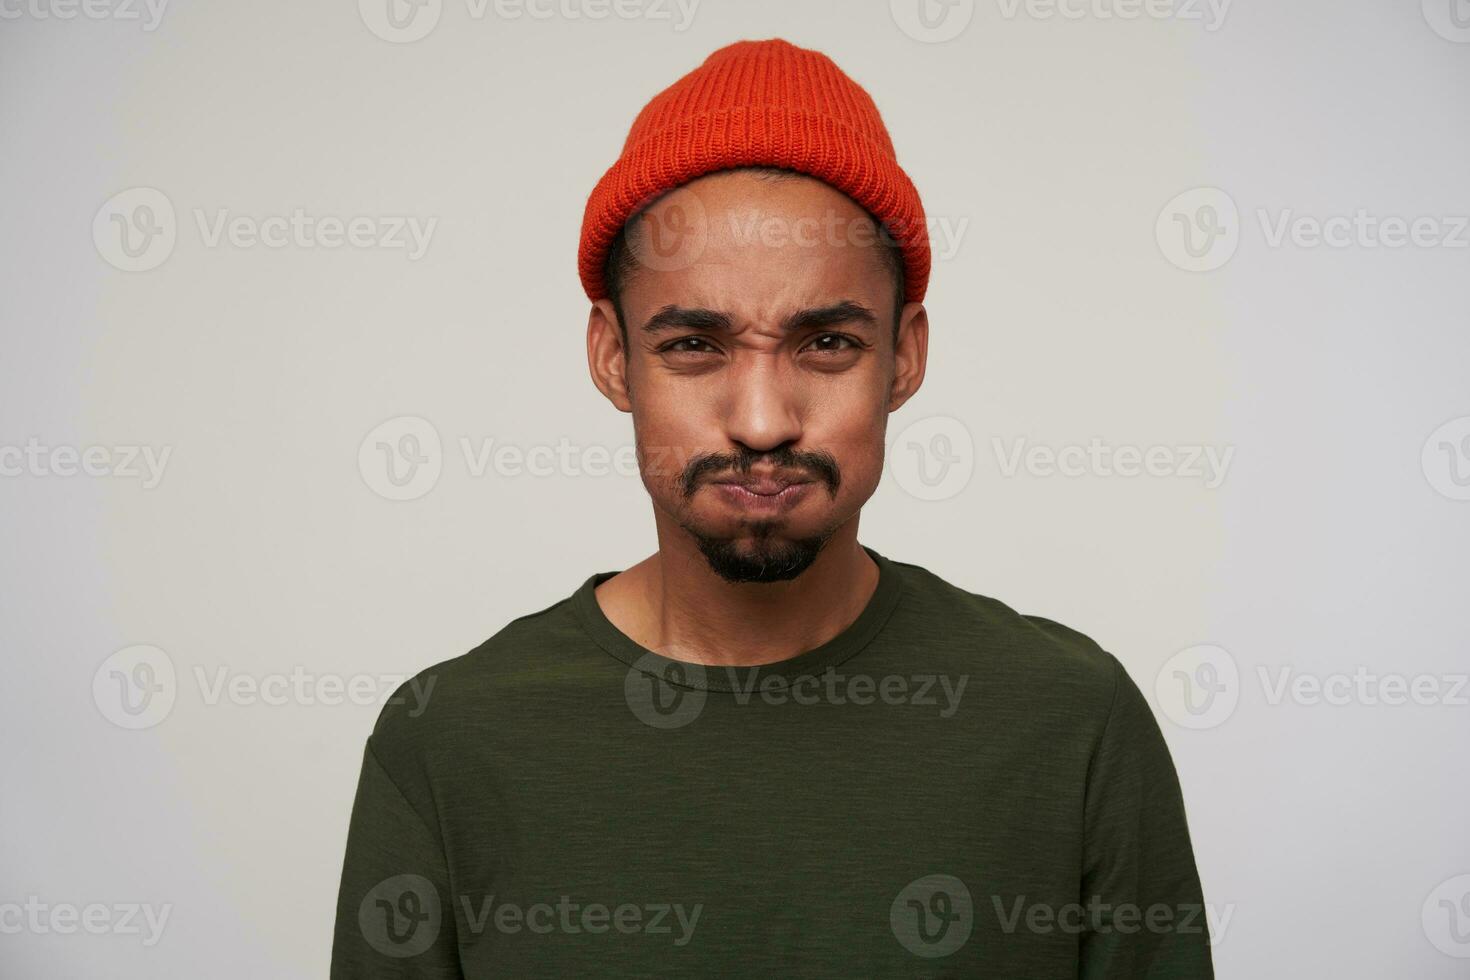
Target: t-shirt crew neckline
842	647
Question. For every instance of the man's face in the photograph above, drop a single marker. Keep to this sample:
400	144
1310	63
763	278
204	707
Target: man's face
760	366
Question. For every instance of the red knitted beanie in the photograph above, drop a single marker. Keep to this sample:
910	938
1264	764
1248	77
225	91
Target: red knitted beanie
758	103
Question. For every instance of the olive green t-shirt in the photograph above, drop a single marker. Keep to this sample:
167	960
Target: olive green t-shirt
946	788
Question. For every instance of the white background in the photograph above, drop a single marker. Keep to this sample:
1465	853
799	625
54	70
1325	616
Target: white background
1055	138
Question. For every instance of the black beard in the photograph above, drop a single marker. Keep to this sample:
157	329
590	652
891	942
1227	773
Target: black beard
768	562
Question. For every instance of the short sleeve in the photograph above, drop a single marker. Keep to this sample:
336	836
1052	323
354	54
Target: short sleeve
395	919
1144	907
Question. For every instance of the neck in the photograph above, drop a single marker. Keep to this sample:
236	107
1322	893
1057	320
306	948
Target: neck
674	604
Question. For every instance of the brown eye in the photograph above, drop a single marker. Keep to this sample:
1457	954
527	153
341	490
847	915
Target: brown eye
829	343
701	346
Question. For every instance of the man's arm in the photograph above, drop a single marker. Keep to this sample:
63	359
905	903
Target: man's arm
1144	908
395	918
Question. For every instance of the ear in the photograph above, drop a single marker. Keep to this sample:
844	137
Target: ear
606	360
910	354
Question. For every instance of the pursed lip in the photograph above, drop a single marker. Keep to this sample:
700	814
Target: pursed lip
762	486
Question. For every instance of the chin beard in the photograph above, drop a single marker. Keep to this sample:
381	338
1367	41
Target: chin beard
765	560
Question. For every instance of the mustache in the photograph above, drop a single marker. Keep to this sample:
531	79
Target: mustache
820	465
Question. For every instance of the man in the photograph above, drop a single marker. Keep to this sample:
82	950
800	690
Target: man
767	749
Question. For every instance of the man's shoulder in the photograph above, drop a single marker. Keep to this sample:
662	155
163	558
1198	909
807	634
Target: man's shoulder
529	652
1024	646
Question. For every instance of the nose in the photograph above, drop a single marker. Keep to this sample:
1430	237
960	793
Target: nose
762	410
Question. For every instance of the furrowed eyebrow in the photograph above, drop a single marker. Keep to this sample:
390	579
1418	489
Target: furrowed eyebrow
830	316
684	318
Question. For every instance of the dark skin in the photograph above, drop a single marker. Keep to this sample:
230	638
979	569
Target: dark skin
764	347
